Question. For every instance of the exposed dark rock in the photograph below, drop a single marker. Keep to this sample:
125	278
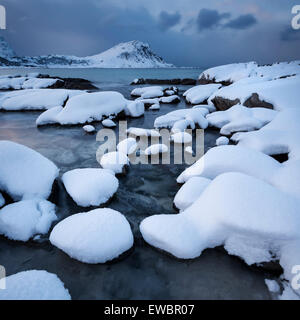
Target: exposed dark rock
255	102
223	104
186	81
70	83
205	80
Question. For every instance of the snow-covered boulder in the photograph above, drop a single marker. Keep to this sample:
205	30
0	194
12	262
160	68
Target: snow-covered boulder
114	161
38	83
91	107
200	94
156	149
182	119
280	136
148	92
93	237
190	192
34	285
228	73
239	118
250	226
277	94
209	107
24	173
134	109
89	128
25	219
154	107
36	99
230	158
222	141
170	99
28	82
127	146
108	123
90	187
49	116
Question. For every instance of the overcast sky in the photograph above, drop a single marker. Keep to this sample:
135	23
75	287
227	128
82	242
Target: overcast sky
184	32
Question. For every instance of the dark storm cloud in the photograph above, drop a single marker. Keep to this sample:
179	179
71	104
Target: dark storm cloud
244	21
208	19
168	20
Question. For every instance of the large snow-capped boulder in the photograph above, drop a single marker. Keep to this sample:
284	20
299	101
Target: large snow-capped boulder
229	158
25	219
257	92
240	118
148	92
134	109
280	136
90	187
34	285
24	173
93	237
36	99
199	94
49	116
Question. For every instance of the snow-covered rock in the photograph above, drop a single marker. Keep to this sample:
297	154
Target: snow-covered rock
182	119
190	192
24	173
222	141
90	187
134	109
280	93
181	137
282	135
250	226
115	161
237	71
148	92
155	107
170	99
239	118
34	285
108	123
93	237
140	132
90	107
37	83
127	146
49	116
156	149
199	94
25	219
230	158
36	99
209	107
89	128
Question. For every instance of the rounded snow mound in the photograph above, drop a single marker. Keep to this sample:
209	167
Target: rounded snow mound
34	285
94	237
90	187
24	173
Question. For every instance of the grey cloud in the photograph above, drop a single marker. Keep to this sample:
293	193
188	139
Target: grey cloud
289	34
242	22
208	19
168	20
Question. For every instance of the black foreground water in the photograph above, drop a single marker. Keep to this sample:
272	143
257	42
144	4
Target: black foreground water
143	272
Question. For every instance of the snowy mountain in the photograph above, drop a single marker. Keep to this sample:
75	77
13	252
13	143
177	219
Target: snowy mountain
133	54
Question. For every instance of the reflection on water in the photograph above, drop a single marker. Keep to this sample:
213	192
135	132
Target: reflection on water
143	273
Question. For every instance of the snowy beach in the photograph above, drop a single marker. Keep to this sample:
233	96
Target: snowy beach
111	236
